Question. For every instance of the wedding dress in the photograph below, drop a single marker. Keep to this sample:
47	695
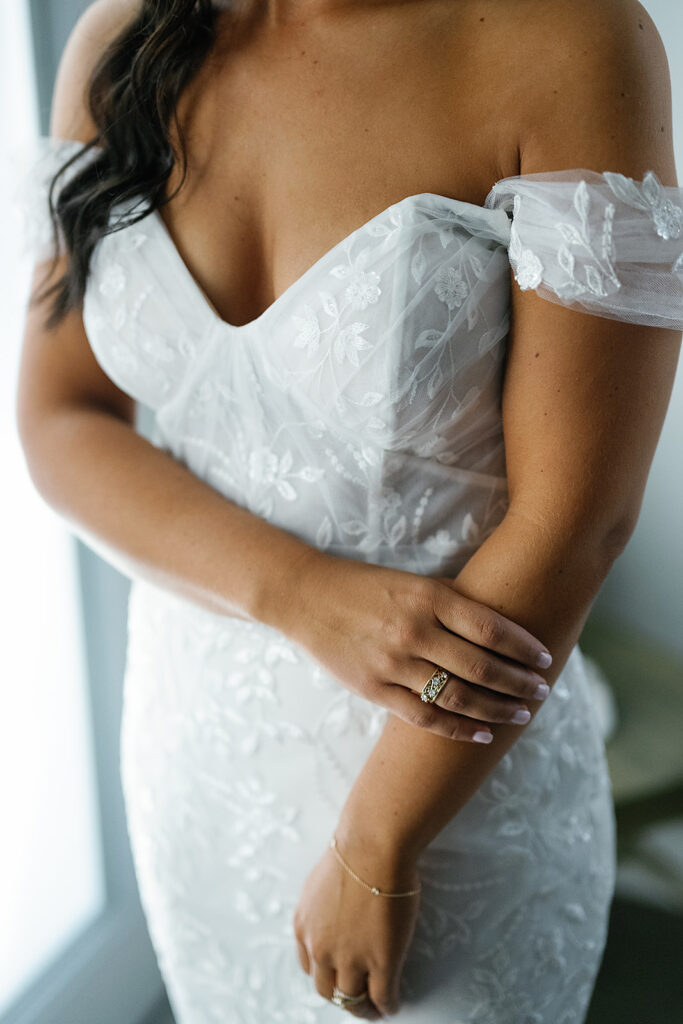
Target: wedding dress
361	412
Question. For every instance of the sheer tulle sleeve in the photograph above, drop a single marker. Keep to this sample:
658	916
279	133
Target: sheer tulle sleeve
29	170
601	243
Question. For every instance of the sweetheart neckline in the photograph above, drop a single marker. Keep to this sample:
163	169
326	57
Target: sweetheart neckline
218	322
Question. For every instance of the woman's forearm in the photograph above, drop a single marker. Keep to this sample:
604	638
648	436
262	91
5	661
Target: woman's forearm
413	783
152	518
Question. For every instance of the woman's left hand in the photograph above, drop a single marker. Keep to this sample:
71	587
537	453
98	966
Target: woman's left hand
351	938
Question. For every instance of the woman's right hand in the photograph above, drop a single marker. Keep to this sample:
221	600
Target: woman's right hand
382	632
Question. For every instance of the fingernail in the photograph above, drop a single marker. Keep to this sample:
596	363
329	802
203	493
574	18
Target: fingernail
482	737
544	660
521	716
542	691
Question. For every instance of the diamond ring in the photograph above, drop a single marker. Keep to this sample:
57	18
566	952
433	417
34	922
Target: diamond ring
434	685
340	998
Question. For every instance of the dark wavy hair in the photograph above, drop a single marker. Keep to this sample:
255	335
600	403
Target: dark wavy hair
132	96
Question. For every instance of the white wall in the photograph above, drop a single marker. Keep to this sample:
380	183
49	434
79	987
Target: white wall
645	587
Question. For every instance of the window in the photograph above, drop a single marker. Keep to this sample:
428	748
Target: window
71	927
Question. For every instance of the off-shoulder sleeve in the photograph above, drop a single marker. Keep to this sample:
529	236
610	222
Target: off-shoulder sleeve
598	242
29	170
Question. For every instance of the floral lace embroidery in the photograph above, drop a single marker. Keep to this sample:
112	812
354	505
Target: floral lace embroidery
526	264
450	286
515	889
600	275
649	195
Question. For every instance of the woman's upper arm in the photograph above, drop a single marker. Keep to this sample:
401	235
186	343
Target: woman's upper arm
584	396
58	366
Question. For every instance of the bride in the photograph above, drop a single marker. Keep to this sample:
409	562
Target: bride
402	285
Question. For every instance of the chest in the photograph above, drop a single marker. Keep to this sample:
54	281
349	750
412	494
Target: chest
296	137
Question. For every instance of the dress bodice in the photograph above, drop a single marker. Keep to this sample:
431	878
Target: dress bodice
361	410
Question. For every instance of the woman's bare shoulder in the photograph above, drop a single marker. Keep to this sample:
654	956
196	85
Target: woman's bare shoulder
591	85
570	43
95	29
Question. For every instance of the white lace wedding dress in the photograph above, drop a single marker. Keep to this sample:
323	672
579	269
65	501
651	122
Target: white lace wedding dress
361	412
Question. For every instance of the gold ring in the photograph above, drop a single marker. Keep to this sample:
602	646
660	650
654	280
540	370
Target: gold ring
340	998
434	685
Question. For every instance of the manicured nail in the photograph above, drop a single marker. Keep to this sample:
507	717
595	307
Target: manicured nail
482	737
544	660
521	716
542	691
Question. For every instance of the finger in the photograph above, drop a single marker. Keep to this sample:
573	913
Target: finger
303	956
383	986
487	628
352	981
463	698
406	704
482	666
323	978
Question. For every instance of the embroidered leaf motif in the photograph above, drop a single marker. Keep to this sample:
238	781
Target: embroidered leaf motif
570	234
370	455
435	382
582	202
570	290
329	303
371	398
594	280
311	474
428	338
625	189
511	828
472	315
349	343
500	790
323	537
308	330
470	530
355	527
418	265
397	531
566	260
607	243
286	490
652	190
515	244
476	265
446	236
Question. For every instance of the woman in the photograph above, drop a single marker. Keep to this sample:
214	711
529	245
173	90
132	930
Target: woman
393	450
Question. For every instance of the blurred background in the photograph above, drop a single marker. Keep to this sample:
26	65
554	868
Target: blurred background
74	947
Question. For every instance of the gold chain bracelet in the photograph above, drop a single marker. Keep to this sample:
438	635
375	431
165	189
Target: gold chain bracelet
373	888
